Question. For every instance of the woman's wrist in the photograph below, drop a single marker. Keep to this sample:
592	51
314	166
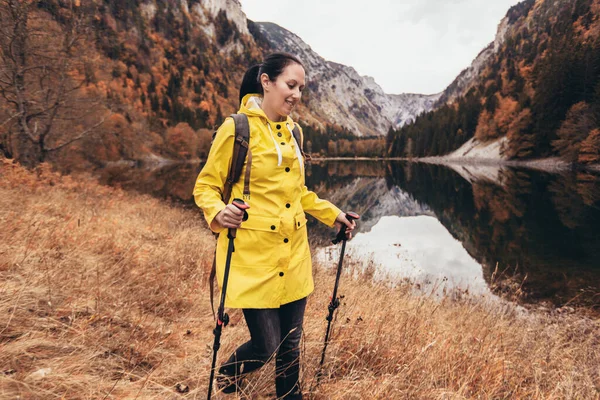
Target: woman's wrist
216	224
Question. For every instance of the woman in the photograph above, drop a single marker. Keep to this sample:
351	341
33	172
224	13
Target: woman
271	273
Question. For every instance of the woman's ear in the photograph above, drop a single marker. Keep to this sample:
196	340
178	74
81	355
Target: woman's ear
265	81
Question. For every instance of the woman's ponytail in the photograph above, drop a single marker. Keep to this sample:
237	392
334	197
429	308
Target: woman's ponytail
250	83
273	65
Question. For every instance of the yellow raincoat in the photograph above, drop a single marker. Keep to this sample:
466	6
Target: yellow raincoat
271	264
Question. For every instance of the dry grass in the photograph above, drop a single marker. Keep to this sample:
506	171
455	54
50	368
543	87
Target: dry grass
104	295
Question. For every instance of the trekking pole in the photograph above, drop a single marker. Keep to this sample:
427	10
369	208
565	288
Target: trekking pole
335	301
222	317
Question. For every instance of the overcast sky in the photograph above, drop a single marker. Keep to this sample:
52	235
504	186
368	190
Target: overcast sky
408	46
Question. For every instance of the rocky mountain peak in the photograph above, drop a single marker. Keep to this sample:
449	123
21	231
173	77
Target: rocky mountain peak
339	94
232	8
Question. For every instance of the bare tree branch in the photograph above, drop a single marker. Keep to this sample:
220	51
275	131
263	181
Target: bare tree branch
78	137
9	119
41	112
34	67
39	78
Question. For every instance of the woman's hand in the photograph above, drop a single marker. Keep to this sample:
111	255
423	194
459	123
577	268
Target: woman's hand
229	217
341	220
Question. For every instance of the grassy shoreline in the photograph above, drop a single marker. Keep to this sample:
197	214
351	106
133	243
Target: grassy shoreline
104	295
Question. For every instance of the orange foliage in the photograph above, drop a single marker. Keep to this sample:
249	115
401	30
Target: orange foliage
505	114
508	86
204	106
488	83
593	30
486	127
525	70
331	147
182	140
344	148
589	152
131	64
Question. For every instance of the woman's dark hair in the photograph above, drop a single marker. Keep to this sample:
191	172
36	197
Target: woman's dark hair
273	65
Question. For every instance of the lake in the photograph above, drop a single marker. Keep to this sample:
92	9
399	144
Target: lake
520	234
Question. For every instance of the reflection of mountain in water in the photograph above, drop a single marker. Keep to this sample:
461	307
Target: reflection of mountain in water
366	194
372	199
546	226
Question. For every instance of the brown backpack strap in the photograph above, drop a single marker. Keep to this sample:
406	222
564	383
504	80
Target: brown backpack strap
241	148
300	140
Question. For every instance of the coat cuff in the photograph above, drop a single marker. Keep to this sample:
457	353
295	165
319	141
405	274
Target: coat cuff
210	214
326	216
332	216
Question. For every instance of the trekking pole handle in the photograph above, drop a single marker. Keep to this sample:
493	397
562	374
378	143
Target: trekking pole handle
242	205
341	235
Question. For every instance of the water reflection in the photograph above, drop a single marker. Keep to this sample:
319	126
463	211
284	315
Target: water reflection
544	228
419	249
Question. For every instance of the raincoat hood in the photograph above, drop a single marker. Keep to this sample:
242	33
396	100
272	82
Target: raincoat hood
251	106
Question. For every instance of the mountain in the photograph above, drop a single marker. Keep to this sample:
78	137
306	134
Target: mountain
534	91
337	93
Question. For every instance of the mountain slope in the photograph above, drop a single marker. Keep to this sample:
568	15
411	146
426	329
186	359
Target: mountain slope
468	77
337	93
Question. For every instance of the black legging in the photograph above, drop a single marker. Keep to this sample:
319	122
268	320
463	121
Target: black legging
272	331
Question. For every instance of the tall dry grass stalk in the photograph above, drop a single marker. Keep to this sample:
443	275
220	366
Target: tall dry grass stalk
104	296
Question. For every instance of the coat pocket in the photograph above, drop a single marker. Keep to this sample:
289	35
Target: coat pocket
258	242
300	220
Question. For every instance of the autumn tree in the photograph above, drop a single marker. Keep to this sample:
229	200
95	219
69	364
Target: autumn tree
182	141
505	114
344	148
486	127
44	88
575	128
589	151
521	142
332	149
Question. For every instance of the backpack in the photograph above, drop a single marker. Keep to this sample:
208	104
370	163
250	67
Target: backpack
241	152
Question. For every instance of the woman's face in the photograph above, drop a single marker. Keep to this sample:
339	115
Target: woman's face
284	93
